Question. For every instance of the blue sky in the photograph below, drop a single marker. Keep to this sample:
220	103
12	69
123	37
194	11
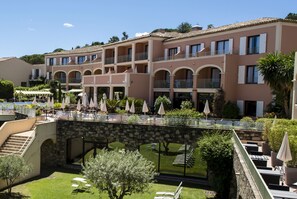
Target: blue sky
37	26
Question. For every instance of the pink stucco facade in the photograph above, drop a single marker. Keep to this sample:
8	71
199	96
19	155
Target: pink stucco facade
190	66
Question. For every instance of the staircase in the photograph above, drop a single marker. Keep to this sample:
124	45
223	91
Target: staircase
15	144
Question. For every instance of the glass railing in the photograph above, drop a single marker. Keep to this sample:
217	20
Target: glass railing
141	56
124	58
161	84
209	83
262	187
61	80
74	80
109	60
183	83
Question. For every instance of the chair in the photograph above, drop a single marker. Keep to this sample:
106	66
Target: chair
175	196
278	187
170	193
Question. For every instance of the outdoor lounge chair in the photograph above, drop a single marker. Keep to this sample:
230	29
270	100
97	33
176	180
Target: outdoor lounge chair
175	196
170	193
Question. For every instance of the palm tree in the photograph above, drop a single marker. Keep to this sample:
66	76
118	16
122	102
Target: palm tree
113	39
125	36
277	70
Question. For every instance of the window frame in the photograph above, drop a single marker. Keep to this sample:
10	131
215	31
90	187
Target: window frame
253	44
225	49
79	61
253	74
65	62
197	47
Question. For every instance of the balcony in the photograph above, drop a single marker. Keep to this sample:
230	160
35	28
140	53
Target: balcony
161	84
183	83
209	83
141	56
109	60
124	58
61	79
74	80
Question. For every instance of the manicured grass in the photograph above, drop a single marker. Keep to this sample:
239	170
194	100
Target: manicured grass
58	185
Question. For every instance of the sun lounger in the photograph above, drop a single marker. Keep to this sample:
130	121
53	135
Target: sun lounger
170	193
176	196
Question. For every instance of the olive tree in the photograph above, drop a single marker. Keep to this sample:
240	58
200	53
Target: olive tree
12	167
119	173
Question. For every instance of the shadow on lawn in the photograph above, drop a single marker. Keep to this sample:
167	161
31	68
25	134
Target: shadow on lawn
12	196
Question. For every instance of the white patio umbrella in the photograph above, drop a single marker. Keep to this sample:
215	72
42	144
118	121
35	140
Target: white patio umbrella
34	102
92	104
284	152
127	108
274	121
95	102
63	104
132	108
144	107
101	104
104	109
67	100
78	107
206	110
161	110
48	103
85	101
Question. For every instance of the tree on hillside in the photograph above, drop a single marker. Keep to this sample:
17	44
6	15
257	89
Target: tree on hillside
95	43
292	16
113	39
33	59
125	36
184	27
6	89
120	173
12	167
210	26
277	70
218	102
58	50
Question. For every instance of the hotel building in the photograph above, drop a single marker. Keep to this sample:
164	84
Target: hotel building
183	66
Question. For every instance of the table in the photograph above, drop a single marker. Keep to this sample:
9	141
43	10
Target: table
80	183
283	194
270	176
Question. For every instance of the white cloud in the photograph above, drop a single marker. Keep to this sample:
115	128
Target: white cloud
139	34
68	25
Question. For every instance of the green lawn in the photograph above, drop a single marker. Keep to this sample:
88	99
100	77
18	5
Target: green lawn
58	185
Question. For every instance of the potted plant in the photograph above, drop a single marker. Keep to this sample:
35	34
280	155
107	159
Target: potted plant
291	166
275	137
267	125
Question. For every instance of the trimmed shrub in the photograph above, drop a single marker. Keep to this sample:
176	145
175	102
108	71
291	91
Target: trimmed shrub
186	104
230	111
247	122
181	117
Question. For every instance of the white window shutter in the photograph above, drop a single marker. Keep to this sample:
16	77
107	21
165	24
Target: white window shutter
40	73
60	60
212	47
178	49
262	48
33	73
259	111
242	46
76	58
86	58
241	74
240	106
230	46
69	60
166	54
187	51
47	75
202	45
47	61
260	78
55	61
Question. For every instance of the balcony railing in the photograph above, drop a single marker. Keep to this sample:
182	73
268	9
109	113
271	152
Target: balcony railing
109	60
183	83
124	58
209	83
161	84
62	80
141	56
74	80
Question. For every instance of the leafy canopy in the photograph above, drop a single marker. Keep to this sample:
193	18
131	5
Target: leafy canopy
119	173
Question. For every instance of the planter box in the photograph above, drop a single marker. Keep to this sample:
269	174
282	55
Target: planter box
290	175
266	148
274	160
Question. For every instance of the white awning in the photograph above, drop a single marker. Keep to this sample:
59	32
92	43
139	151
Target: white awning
33	92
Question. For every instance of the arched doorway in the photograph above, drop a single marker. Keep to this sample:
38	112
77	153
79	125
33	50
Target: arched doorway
47	154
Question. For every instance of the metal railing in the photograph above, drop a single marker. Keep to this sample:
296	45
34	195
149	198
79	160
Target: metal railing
74	80
262	187
124	58
141	56
183	83
161	84
109	60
